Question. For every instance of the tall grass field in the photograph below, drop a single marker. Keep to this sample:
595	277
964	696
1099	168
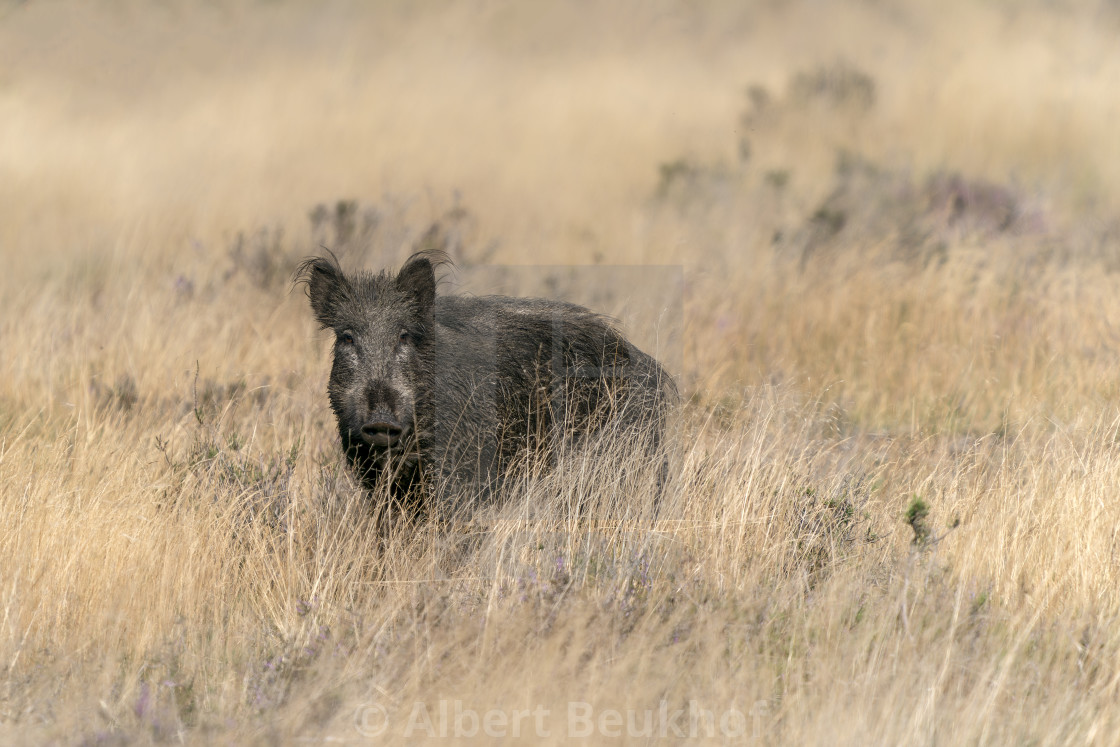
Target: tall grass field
877	244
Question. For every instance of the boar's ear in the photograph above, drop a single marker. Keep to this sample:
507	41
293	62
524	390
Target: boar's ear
327	287
419	279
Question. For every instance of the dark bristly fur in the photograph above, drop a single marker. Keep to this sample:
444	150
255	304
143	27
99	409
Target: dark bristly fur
451	390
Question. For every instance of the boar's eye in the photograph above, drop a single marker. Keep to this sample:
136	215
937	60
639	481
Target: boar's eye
405	337
346	338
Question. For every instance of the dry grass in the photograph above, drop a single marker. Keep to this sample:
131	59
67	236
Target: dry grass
891	513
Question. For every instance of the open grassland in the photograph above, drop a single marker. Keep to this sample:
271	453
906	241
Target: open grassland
878	243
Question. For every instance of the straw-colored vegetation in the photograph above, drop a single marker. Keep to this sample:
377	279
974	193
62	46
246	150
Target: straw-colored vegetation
878	243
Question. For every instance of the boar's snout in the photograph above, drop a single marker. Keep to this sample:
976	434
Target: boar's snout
382	431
